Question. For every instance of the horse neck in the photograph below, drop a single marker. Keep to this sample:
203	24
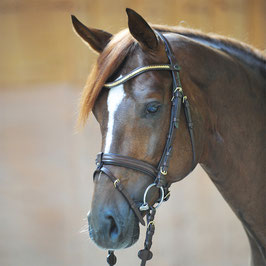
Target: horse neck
226	96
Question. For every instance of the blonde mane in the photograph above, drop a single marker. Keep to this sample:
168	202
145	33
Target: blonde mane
108	61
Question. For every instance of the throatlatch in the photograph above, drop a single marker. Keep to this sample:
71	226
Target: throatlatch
159	173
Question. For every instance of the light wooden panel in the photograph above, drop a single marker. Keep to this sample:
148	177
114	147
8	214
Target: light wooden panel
38	45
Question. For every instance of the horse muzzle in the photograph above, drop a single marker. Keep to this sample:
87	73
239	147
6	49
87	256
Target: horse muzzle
110	229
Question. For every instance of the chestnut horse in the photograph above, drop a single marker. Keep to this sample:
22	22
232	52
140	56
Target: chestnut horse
225	83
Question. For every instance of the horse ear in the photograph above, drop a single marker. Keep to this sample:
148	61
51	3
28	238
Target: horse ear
141	30
97	39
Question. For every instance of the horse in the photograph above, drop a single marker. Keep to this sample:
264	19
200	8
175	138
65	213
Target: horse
225	83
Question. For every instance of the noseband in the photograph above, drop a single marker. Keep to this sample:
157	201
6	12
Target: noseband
158	173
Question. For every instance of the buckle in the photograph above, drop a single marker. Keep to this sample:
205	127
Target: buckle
99	161
163	172
116	182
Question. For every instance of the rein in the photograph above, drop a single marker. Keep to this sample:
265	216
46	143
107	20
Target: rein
157	173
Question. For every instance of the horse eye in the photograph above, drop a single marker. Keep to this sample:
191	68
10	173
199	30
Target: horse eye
152	108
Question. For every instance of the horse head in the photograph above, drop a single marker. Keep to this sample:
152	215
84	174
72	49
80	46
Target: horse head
134	119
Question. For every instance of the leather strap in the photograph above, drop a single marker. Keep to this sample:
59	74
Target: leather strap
190	129
127	162
177	95
119	186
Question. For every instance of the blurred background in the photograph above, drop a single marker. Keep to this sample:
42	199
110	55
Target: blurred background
46	168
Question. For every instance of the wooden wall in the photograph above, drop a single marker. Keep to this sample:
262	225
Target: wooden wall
38	45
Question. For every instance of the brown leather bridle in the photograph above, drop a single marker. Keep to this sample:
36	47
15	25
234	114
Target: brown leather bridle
157	173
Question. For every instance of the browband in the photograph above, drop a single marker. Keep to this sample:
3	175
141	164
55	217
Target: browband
138	71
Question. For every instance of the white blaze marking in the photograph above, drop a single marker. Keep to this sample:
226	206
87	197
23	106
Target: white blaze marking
114	99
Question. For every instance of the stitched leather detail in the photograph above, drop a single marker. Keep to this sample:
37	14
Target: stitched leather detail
129	162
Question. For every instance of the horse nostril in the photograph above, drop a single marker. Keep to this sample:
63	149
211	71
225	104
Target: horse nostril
113	228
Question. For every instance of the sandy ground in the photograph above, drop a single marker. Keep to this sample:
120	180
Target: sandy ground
46	189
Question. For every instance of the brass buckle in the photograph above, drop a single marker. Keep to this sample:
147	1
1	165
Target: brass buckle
116	182
178	89
163	172
151	223
175	90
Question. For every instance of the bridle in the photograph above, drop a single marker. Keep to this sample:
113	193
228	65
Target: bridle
157	173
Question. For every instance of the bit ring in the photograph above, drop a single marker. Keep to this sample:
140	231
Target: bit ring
145	205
